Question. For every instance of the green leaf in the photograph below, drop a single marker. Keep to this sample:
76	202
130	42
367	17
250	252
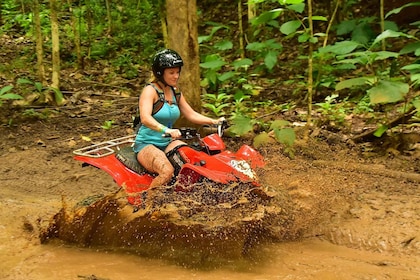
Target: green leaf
290	27
381	130
272	44
398	10
255	46
212	64
266	17
412	47
363	33
58	96
321	18
290	2
416	103
241	125
411	67
242	63
354	82
38	86
415	78
390	25
224	45
270	59
298	8
346	27
5	89
261	139
304	37
212	76
285	136
388	92
341	48
382	55
202	39
390	34
10	96
22	81
226	76
277	124
346	66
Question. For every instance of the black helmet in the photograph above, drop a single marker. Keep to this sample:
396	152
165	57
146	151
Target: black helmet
165	59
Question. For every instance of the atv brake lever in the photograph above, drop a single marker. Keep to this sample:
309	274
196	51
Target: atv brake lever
187	133
221	126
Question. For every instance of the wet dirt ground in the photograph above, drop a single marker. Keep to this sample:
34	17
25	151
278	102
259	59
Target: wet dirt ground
355	215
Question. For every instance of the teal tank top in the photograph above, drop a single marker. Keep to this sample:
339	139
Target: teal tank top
167	116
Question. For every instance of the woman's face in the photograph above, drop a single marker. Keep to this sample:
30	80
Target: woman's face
171	76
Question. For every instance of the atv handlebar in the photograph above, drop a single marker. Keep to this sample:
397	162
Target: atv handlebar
190	132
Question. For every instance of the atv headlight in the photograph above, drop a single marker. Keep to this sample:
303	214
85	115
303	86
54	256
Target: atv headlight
243	167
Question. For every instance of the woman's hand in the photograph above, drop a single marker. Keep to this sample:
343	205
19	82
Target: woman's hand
218	121
174	133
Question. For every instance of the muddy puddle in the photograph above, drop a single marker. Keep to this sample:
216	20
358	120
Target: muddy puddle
22	256
309	259
351	221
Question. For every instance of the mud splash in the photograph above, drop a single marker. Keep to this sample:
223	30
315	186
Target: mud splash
209	224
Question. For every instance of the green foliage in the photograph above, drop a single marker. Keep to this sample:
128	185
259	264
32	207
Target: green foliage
267	51
216	103
5	94
38	114
107	125
379	85
241	125
283	133
331	110
35	92
212	64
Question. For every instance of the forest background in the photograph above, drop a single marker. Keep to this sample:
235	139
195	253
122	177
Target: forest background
270	67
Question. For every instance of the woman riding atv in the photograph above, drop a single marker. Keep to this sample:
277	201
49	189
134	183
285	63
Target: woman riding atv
161	104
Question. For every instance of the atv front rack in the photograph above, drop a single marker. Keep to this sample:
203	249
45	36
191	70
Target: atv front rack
105	148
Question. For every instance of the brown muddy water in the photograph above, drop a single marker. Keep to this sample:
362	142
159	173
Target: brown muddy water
359	222
308	259
23	257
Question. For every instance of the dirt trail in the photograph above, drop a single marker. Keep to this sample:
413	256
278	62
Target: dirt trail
367	203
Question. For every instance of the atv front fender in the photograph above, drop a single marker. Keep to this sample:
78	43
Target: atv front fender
252	156
190	174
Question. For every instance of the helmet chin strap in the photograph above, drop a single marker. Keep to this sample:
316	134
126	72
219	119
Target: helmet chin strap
162	81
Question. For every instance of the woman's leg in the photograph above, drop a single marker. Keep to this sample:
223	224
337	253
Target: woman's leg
155	161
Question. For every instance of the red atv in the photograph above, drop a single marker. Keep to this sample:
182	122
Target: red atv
204	160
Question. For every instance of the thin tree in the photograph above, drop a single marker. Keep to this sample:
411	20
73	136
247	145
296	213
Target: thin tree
39	42
1	12
183	38
75	23
162	13
252	9
55	45
310	71
109	17
382	15
241	29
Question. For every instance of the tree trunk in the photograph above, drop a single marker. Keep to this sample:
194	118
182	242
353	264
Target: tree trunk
109	17
75	24
241	30
39	43
55	45
183	38
310	73
252	10
162	14
1	12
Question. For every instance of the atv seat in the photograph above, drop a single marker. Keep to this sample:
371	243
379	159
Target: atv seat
127	157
